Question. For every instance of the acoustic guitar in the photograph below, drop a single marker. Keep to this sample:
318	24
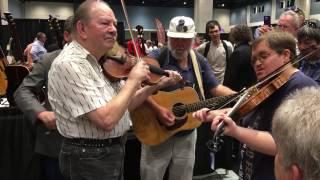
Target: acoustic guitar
181	102
3	76
17	71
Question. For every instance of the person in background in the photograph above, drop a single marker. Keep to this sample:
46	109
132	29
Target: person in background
269	53
197	42
27	52
239	71
299	12
217	51
48	139
38	49
289	21
91	110
139	42
309	41
177	154
295	129
149	46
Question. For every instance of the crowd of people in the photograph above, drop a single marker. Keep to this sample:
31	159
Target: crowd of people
82	127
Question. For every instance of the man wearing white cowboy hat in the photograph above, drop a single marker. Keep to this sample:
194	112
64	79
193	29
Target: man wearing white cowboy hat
178	152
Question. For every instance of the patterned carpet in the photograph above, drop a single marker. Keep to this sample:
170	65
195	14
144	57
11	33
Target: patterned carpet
219	174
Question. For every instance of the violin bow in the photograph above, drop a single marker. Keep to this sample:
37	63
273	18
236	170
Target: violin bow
129	27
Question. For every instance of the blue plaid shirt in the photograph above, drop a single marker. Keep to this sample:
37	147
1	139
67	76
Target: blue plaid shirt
311	69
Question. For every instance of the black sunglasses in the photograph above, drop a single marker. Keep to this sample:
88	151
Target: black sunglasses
310	24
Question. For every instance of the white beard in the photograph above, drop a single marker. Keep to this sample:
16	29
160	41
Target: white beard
178	55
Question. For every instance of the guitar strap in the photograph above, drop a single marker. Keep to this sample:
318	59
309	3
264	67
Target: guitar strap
197	72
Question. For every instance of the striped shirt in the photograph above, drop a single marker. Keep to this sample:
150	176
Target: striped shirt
76	86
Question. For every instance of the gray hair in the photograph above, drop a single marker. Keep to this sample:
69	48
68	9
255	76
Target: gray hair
83	12
295	16
310	30
296	130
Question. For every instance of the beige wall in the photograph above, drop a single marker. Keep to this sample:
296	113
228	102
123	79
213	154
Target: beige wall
40	10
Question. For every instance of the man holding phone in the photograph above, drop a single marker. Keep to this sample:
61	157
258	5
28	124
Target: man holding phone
289	21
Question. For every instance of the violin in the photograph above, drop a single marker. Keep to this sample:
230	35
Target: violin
249	100
117	64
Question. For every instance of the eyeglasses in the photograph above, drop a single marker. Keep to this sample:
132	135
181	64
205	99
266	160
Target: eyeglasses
262	57
310	24
295	9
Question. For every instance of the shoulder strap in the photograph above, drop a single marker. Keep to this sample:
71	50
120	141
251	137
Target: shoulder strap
225	48
162	59
197	72
206	49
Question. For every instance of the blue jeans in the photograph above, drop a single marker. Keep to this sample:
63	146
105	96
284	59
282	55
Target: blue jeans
92	163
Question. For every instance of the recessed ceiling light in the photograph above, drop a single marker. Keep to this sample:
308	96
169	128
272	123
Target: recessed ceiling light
142	2
184	3
222	5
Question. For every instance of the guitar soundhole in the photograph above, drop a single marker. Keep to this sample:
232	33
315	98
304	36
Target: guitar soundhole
179	111
181	116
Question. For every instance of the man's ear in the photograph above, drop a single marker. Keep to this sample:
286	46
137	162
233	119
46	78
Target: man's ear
287	54
81	28
296	172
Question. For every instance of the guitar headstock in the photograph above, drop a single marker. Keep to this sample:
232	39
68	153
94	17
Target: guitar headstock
55	29
50	22
54	24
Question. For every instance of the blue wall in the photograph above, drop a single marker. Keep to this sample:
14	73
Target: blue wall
279	10
314	7
145	15
259	16
16	8
238	16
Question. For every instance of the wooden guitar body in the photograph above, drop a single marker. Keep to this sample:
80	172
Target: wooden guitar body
15	75
3	76
3	80
148	129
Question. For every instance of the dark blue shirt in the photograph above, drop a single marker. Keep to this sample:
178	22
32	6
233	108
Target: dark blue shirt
168	62
311	69
255	165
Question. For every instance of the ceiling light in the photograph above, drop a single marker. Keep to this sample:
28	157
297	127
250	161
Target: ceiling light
184	3
222	5
142	2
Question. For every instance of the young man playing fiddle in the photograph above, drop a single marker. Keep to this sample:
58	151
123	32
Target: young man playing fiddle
269	53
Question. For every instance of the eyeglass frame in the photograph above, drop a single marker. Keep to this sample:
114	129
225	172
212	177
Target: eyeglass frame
296	10
310	24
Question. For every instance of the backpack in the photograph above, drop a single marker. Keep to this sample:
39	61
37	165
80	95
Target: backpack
206	49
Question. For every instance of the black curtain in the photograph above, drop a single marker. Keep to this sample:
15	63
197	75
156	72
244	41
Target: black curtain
17	157
28	28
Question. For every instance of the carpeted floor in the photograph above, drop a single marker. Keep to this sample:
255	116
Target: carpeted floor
219	174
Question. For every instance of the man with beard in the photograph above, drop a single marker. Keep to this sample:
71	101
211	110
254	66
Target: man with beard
178	152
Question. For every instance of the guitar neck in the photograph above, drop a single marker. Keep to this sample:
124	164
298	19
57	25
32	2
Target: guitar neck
19	53
212	103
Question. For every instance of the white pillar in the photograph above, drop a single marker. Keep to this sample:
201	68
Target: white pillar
202	14
3	6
